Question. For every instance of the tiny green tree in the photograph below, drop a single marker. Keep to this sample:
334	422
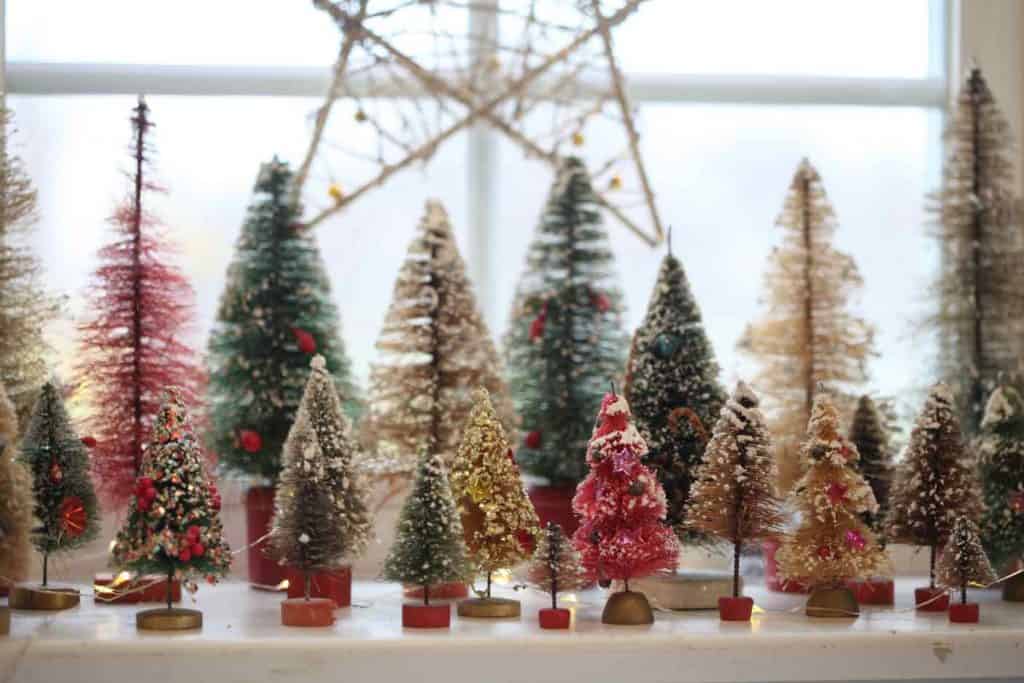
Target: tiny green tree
66	506
1000	449
869	436
963	561
556	566
428	547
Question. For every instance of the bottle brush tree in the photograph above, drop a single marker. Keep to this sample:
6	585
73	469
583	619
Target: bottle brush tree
807	336
871	439
565	337
15	499
733	496
672	386
25	307
622	533
832	544
435	350
276	311
321	513
66	508
173	525
555	567
963	561
980	290
936	481
130	346
428	548
1000	450
498	519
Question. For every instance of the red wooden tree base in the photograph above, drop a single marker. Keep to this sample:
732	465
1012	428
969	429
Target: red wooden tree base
153	589
772	580
961	613
735	609
554	504
442	591
259	509
874	591
312	612
554	618
931	599
336	585
427	616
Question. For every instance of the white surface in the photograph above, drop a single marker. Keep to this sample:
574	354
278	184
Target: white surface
243	641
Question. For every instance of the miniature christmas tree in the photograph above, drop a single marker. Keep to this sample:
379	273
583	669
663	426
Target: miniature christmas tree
436	349
497	518
24	306
555	568
622	534
832	544
980	290
807	337
141	306
962	563
275	312
869	437
733	495
565	336
15	500
321	513
173	526
936	482
428	547
672	386
65	502
1000	450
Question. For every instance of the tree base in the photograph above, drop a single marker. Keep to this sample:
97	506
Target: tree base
311	612
264	573
735	609
1013	589
627	608
874	591
169	619
442	591
335	585
683	589
931	599
964	613
554	504
111	590
5	621
775	582
427	616
554	618
489	608
832	603
50	598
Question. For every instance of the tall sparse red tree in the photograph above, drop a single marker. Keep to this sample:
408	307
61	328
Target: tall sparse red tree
132	346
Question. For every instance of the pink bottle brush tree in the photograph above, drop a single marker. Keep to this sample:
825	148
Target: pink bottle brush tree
622	534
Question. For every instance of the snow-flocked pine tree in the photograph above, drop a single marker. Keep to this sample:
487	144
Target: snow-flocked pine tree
565	339
733	496
15	499
555	567
428	548
1000	450
807	337
936	482
963	561
435	350
868	434
672	386
980	290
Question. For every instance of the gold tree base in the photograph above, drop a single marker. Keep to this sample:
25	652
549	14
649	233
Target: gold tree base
627	608
50	598
1013	589
489	608
832	603
5	621
174	619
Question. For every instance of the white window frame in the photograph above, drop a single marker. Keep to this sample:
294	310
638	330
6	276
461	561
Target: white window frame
988	30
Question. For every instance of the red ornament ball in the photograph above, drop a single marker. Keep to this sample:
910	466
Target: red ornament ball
192	534
836	492
533	439
89	441
72	517
198	549
824	552
855	540
601	302
149	494
184	555
250	440
1017	502
56	473
306	342
537	328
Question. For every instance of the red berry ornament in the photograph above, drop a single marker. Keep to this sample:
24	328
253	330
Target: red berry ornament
185	555
250	441
1017	502
855	540
601	302
836	492
89	441
198	549
72	517
533	439
56	473
306	342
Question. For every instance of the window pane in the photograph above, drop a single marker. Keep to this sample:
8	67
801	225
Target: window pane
810	37
721	172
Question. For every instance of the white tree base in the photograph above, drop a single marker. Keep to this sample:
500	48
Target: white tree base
685	589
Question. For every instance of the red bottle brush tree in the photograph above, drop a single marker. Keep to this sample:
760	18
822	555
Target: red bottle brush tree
131	347
622	533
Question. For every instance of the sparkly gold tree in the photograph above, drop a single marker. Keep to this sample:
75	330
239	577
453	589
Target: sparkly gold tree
24	306
498	519
807	337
